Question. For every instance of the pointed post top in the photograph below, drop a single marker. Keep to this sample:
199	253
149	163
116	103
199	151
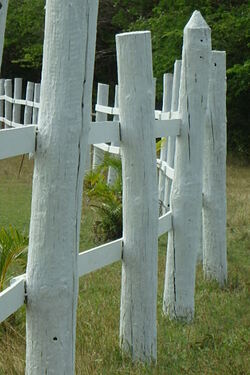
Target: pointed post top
197	21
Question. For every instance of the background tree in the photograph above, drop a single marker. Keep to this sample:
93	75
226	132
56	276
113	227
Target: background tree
229	20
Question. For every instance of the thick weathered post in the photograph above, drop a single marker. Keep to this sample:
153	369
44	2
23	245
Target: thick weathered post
140	203
102	99
3	17
64	121
172	140
186	196
214	174
166	107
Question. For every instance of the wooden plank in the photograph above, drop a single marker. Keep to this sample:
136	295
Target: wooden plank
165	223
106	148
106	109
99	257
164	128
104	131
12	298
17	141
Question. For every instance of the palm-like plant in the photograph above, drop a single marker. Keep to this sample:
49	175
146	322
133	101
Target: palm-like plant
106	199
13	248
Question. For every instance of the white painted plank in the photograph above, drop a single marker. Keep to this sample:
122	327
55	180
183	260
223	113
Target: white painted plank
17	141
25	102
106	109
12	298
99	257
164	128
106	148
104	131
165	224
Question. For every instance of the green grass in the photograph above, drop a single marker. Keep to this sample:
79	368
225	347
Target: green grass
216	343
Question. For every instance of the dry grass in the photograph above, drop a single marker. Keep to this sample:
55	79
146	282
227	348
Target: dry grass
216	343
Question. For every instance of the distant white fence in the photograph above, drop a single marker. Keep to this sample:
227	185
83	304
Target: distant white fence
190	105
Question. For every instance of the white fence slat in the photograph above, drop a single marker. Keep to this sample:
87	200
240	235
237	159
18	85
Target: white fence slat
102	99
28	108
164	128
8	105
1	103
17	141
36	101
106	148
12	298
99	257
107	110
17	95
105	131
3	16
165	223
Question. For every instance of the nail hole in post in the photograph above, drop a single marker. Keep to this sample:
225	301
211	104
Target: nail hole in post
215	64
54	338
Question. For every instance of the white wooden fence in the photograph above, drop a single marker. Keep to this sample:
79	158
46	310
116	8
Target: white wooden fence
135	122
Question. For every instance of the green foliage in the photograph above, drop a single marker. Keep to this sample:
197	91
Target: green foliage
13	248
106	200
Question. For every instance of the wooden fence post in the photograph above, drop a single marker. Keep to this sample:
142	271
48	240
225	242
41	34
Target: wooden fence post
17	95
111	172
140	197
214	178
2	102
172	140
166	107
7	105
29	96
102	99
64	122
3	17
186	195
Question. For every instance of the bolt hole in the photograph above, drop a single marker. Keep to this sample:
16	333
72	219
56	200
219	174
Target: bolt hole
201	57
215	64
201	40
54	338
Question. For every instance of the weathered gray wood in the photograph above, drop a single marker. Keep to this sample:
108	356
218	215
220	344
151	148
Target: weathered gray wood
102	99
64	122
18	141
3	17
172	139
7	104
28	109
166	107
105	131
17	95
111	172
165	223
1	102
140	203
214	178
186	196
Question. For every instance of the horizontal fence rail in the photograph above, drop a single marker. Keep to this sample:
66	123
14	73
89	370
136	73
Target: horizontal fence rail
19	141
13	297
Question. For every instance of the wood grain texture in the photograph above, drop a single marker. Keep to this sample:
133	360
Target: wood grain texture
140	203
64	122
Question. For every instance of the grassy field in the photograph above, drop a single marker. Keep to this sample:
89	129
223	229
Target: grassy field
217	342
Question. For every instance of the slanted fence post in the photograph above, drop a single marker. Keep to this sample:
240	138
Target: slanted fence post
186	195
3	17
64	122
166	107
140	197
111	171
102	99
214	178
172	140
